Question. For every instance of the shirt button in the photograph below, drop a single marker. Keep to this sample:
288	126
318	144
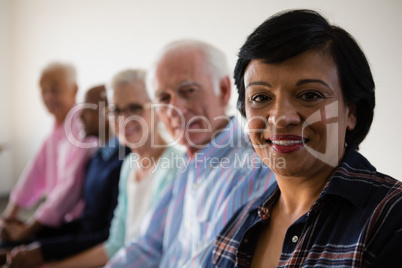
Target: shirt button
294	239
263	213
245	240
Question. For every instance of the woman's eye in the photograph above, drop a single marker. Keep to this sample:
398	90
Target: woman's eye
309	96
260	98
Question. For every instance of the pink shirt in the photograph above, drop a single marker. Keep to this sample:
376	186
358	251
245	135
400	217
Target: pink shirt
56	172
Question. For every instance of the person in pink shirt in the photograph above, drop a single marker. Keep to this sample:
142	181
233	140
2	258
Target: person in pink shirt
57	171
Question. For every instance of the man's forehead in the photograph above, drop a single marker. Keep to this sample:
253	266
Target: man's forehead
177	86
180	63
53	76
178	70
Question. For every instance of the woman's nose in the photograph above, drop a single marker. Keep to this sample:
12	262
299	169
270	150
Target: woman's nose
283	113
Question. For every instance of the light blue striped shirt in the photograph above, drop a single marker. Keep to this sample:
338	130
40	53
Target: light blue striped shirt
208	190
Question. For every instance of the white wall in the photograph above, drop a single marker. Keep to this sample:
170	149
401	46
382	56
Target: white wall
6	178
102	36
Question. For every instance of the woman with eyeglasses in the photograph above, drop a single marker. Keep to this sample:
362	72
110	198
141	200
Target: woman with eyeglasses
307	91
146	173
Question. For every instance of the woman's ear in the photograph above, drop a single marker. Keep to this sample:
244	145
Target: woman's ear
351	123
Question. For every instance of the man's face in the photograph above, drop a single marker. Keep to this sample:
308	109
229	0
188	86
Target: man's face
91	116
58	94
188	103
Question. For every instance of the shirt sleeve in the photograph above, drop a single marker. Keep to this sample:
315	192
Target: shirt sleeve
67	193
32	183
118	226
146	251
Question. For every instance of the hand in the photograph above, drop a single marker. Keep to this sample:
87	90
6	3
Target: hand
11	211
25	256
3	254
4	236
14	231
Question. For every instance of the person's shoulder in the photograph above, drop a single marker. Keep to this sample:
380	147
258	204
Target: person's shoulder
173	151
390	187
384	184
385	194
357	168
128	163
248	163
387	180
130	157
386	199
170	161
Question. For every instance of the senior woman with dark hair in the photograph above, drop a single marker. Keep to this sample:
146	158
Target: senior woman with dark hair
307	91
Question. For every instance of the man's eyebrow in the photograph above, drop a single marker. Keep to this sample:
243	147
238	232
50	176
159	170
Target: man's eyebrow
182	84
259	83
188	83
308	81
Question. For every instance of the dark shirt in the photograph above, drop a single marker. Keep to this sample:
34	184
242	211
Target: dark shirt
356	222
100	194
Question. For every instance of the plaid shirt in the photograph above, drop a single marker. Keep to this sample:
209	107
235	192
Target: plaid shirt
356	222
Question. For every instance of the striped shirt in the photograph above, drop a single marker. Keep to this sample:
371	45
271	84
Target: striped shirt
356	222
208	190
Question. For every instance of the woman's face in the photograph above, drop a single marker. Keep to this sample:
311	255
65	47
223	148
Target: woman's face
131	120
296	114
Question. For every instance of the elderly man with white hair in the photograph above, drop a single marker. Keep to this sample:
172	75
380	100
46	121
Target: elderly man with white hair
221	171
56	172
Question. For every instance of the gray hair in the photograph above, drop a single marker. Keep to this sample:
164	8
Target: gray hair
66	68
215	59
128	76
125	77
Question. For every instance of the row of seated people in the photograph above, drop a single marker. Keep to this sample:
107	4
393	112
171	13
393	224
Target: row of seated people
95	173
290	193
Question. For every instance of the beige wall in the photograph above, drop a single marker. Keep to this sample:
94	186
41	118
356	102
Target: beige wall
101	37
6	153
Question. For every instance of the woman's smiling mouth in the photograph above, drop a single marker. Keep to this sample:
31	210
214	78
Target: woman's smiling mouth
286	143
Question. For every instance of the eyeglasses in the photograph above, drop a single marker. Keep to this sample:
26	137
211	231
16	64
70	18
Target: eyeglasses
129	110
